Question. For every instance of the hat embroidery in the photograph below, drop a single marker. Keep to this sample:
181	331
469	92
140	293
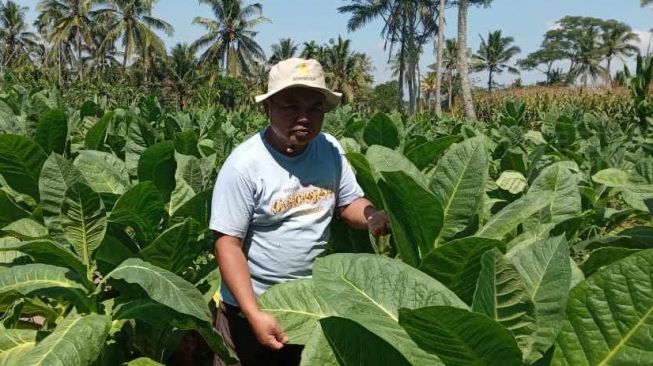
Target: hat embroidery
303	73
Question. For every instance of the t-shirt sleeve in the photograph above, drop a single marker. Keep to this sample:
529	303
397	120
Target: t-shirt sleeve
232	204
349	189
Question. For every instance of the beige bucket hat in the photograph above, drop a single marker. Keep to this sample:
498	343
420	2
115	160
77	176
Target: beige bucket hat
295	72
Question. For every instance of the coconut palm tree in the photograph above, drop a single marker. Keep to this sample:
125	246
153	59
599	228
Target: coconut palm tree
15	38
62	54
617	41
427	86
587	62
346	71
494	54
364	12
283	50
230	37
133	24
311	50
182	71
71	22
408	23
450	66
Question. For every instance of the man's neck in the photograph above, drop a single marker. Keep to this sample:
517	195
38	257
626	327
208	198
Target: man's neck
280	146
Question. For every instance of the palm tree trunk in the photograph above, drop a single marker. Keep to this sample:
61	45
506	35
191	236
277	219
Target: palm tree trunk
401	76
438	59
548	73
463	66
489	81
59	64
450	104
411	86
418	90
609	71
10	53
80	63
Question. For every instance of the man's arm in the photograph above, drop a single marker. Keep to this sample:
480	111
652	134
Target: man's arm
362	215
235	274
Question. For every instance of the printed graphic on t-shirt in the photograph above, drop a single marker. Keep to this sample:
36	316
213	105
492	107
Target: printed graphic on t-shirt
312	196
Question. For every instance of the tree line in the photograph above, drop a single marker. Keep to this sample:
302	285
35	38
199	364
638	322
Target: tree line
82	41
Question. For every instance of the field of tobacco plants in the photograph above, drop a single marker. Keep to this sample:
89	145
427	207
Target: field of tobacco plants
514	241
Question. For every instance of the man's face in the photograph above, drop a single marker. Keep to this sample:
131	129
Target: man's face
296	115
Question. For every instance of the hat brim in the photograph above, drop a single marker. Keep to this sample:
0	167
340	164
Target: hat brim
331	101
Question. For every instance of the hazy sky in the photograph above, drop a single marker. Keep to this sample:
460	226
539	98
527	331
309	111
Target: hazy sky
319	20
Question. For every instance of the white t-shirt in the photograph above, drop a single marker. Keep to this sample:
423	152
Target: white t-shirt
281	206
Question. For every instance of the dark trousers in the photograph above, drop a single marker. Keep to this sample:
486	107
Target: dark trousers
239	337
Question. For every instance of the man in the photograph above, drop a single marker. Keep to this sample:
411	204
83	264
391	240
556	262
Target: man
272	204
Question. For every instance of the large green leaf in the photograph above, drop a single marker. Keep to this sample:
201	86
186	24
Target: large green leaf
10	123
153	312
380	130
558	182
157	164
349	284
459	337
14	343
180	196
52	131
57	177
546	273
186	143
366	177
191	170
457	264
9	210
98	132
459	183
140	208
75	341
164	287
103	171
143	361
25	229
298	307
8	257
140	136
354	345
176	248
48	252
602	257
513	215
383	159
318	351
21	160
197	208
424	155
43	279
415	215
83	220
638	237
501	295
635	188
610	316
512	181
617	178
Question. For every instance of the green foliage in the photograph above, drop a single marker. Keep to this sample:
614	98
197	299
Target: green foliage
499	218
385	97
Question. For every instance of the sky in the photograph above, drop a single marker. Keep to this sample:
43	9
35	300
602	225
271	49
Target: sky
304	20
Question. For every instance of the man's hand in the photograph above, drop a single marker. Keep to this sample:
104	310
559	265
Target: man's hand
362	215
378	224
267	330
